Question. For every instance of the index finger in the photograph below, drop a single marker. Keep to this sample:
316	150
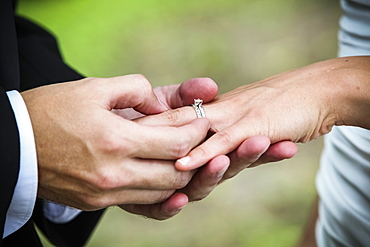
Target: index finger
165	142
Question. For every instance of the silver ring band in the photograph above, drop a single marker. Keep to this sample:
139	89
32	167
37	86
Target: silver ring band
199	110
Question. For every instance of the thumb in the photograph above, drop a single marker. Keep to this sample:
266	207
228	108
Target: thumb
134	91
196	88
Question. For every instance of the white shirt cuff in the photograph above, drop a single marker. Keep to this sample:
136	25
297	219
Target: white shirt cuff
24	196
59	214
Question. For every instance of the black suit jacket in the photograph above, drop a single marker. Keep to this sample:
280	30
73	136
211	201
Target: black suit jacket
29	58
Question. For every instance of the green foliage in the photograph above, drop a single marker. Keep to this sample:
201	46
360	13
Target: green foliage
232	41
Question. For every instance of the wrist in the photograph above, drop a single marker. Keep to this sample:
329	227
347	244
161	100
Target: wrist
350	91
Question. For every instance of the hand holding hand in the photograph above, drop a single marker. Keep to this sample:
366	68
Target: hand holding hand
253	151
90	158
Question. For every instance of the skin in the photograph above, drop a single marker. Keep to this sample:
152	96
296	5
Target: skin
90	158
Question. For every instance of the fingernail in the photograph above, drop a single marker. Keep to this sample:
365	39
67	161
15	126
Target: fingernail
184	161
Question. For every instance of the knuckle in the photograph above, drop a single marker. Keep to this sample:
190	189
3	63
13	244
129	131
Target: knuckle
224	138
93	202
199	195
104	180
163	195
182	180
100	189
99	184
138	77
202	151
173	117
96	203
181	147
154	197
230	174
140	82
109	144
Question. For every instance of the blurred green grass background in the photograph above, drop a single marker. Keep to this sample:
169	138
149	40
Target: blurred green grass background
232	41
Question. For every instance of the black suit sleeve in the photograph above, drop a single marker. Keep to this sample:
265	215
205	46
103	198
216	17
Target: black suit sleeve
40	60
9	156
9	139
74	233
